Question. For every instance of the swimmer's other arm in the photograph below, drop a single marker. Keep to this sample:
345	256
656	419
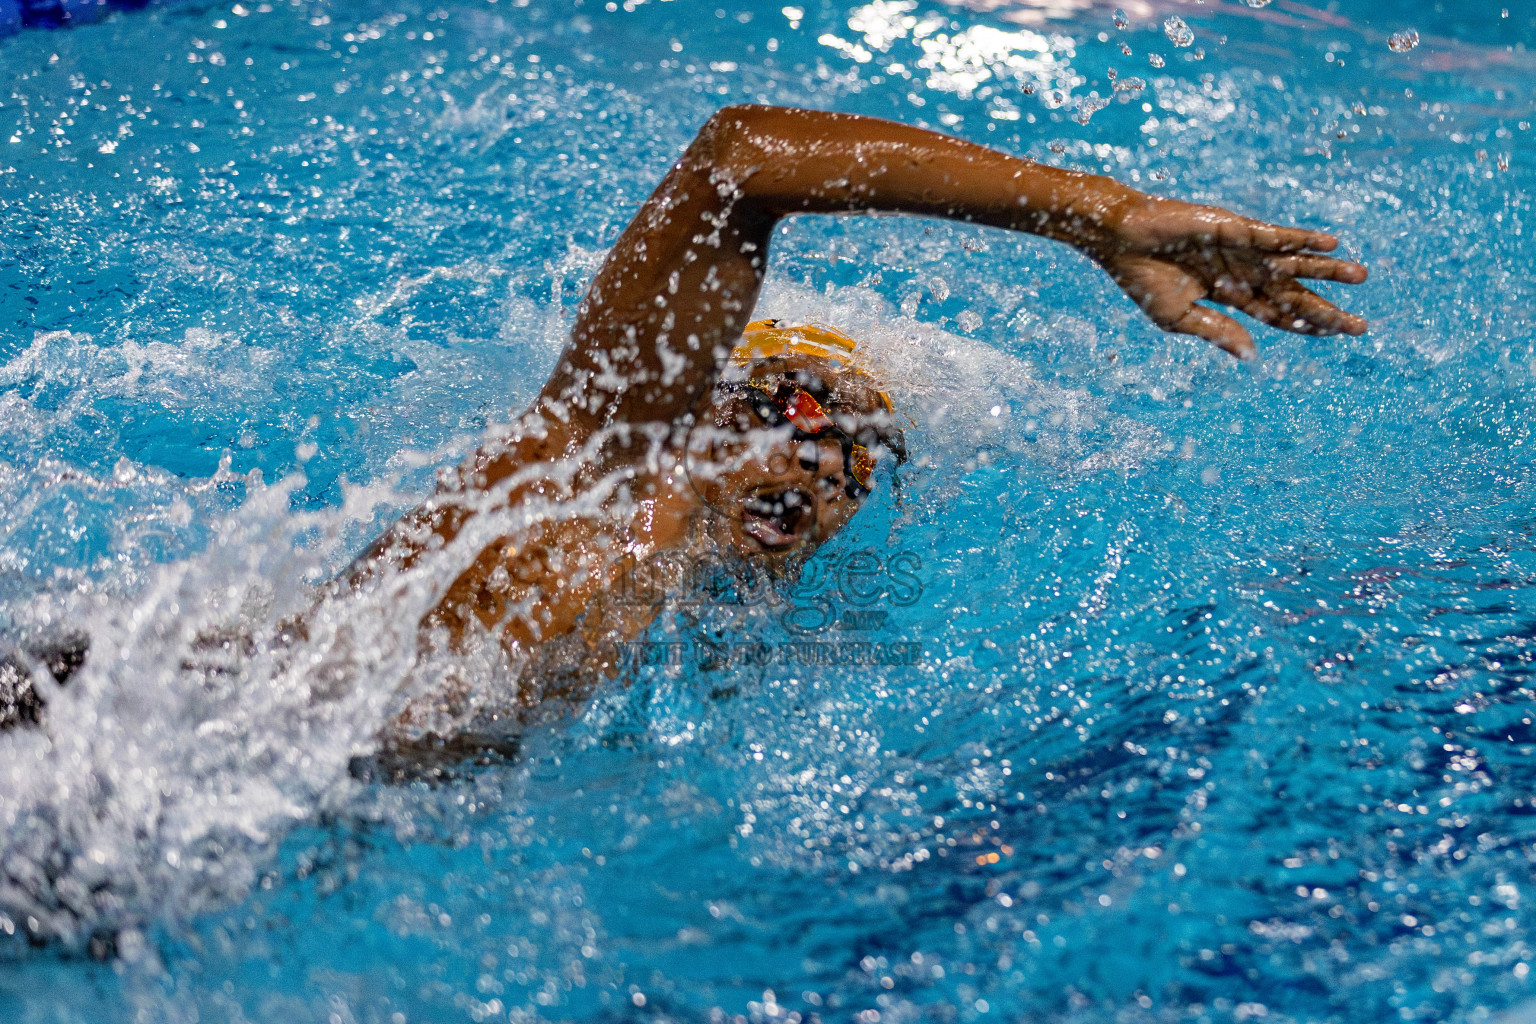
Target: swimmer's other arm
681	282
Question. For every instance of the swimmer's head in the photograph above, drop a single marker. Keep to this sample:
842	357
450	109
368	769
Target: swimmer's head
799	431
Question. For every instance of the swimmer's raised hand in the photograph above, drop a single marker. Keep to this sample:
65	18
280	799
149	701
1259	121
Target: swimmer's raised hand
1169	255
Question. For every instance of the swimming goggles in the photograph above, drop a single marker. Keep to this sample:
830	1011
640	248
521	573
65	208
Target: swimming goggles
778	401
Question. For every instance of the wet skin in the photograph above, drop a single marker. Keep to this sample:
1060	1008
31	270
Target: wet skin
656	328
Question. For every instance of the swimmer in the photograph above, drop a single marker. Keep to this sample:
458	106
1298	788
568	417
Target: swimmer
665	351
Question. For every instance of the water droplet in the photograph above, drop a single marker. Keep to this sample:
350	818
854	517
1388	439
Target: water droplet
1178	33
940	289
1257	3
1130	85
1402	42
1121	21
1125	49
967	320
1156	60
123	472
1088	106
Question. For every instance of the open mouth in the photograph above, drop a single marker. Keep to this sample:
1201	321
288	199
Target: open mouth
777	519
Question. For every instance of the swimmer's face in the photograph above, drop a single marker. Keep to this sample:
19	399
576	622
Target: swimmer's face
783	493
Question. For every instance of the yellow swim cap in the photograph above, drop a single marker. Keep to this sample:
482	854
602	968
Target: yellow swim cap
764	339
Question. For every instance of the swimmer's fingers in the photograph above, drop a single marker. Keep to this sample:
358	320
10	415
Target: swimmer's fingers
1169	294
1184	226
1222	331
1245	232
1168	227
1266	312
1316	268
1307	312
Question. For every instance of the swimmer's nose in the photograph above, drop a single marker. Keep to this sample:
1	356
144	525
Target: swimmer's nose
824	459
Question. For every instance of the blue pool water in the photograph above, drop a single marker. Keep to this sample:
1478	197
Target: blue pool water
1224	705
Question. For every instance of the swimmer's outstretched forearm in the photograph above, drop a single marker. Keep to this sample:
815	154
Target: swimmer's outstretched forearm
681	282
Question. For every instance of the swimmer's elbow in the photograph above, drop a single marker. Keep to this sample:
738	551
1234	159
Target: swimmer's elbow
736	120
729	135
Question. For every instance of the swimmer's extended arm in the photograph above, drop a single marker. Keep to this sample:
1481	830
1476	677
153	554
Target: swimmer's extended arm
674	293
